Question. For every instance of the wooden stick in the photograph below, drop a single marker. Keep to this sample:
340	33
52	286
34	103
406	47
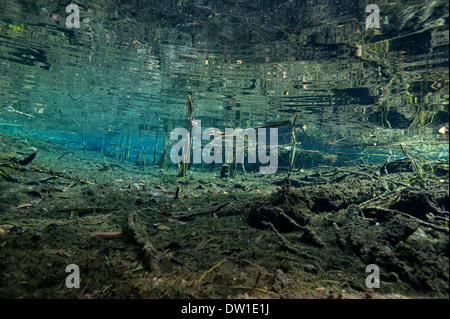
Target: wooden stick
212	268
286	244
294	142
151	256
393	211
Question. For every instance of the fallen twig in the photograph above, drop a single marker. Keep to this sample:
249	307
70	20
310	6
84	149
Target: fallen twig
11	109
381	196
107	235
253	288
6	176
393	211
151	256
212	268
310	234
414	163
286	244
45	171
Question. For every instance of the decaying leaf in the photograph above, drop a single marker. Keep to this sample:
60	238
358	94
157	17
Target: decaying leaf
26	205
163	227
107	235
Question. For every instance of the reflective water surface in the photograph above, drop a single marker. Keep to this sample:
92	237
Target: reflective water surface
349	86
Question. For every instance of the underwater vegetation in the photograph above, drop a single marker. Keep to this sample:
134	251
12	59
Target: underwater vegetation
224	149
145	233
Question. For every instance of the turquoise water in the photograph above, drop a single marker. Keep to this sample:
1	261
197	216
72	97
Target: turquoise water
89	87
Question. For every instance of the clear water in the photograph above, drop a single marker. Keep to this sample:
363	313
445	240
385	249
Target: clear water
93	86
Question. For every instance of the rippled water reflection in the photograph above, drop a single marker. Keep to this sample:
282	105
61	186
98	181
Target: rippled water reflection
89	86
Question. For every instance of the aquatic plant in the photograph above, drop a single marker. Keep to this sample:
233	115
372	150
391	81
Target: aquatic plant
237	124
182	168
294	143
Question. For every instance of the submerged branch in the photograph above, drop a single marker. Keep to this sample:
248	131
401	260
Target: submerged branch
151	256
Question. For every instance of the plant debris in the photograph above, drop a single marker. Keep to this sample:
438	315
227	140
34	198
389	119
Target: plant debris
280	236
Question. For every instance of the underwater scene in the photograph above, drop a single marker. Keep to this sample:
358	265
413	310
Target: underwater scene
224	149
